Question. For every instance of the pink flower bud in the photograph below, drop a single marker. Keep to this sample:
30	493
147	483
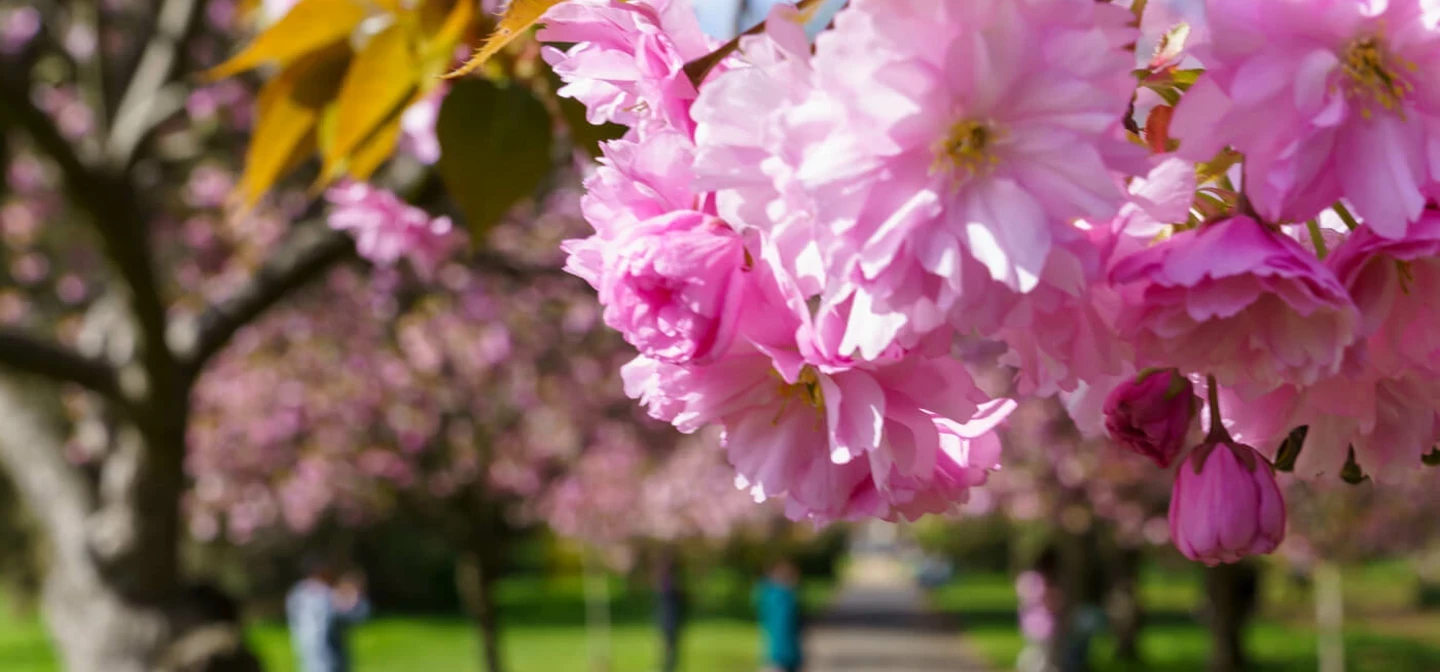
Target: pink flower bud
1152	414
1226	504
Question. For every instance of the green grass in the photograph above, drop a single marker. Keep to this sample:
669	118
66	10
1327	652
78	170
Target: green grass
406	644
23	644
1382	633
543	631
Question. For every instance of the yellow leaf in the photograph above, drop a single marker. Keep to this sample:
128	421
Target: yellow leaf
382	77
371	153
288	109
308	27
368	157
519	16
440	43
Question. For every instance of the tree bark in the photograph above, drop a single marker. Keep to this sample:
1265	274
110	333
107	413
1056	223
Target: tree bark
1232	591
476	573
1125	610
1330	617
597	614
99	625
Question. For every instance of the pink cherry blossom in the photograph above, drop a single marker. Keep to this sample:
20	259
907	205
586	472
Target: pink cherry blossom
627	62
417	127
938	137
839	443
1152	415
635	181
387	229
1236	300
1390	422
969	452
1394	282
1226	504
1326	98
674	286
746	160
1063	331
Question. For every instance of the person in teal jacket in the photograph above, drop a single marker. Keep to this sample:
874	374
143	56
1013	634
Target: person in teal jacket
777	599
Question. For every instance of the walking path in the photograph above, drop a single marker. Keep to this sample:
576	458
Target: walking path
880	623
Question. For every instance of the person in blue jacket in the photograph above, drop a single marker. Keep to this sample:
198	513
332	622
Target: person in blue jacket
321	609
777	599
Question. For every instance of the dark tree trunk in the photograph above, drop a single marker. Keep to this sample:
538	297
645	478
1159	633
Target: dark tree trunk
475	577
1231	590
1125	609
1082	589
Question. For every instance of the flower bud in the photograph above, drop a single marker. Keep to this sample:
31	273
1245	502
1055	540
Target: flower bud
1226	504
1152	414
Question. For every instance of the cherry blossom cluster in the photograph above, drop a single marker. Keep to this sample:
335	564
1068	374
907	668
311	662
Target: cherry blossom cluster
799	244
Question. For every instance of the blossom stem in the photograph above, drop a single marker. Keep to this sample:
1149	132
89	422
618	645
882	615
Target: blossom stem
1345	215
1217	426
1315	237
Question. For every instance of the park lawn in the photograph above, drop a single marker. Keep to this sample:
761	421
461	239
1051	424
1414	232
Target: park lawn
544	631
1175	641
409	644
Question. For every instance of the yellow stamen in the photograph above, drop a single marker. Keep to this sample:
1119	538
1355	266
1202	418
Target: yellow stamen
1376	76
968	148
1407	276
807	389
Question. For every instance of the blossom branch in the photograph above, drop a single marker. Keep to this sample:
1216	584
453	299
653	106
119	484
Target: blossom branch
699	68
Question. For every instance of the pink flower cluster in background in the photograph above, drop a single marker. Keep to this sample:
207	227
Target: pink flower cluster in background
797	243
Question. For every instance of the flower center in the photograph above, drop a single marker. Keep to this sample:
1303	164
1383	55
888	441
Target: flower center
806	388
1376	76
967	150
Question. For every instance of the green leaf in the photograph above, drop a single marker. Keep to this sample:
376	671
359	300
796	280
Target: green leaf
1290	448
1432	458
495	145
583	134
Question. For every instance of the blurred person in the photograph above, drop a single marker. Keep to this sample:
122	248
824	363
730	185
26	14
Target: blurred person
670	610
777	599
321	609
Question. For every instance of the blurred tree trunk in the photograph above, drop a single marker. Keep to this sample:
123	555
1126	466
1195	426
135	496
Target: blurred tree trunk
111	579
1330	617
1427	570
1082	589
597	614
1231	591
1125	608
477	574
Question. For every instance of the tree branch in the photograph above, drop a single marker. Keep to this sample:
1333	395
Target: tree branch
110	199
25	353
310	250
18	109
147	100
